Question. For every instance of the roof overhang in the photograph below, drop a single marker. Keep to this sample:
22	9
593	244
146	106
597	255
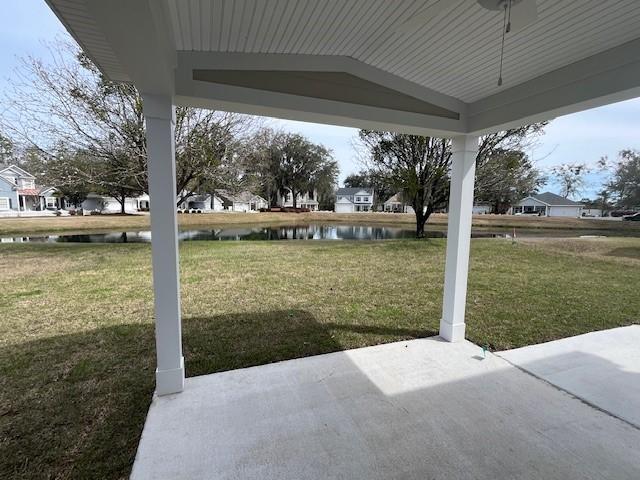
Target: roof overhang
204	56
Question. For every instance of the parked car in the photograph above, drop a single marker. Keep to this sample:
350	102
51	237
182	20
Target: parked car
622	213
632	218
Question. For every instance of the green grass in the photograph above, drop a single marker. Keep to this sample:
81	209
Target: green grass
77	353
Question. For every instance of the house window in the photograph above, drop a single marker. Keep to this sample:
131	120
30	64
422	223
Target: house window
51	202
358	199
4	203
366	199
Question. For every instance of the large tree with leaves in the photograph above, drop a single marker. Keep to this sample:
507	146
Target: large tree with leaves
289	163
504	177
624	187
418	167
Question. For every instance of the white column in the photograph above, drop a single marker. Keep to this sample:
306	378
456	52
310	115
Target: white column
160	120
463	164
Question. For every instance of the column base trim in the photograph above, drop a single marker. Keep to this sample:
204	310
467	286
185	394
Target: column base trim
452	333
170	381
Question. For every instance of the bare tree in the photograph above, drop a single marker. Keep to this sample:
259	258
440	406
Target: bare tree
571	177
68	104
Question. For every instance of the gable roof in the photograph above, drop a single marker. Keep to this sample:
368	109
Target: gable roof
554	200
353	191
18	170
45	190
394	199
6	180
239	197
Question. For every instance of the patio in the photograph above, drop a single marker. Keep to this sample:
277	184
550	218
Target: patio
413	410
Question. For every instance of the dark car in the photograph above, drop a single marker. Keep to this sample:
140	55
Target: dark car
622	213
632	218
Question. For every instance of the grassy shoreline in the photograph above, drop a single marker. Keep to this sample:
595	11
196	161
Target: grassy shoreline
97	223
77	342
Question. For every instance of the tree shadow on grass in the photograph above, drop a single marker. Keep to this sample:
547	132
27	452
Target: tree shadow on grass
626	252
73	406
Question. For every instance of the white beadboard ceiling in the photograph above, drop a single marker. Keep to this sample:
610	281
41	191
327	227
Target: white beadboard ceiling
456	54
78	21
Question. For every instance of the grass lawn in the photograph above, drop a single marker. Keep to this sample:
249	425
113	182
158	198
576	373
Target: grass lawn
77	353
9	226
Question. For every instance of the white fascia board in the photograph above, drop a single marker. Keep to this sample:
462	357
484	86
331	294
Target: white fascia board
18	170
281	105
44	191
534	199
291	107
9	182
607	77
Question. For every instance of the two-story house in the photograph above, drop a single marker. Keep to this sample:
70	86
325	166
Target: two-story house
350	200
303	200
19	193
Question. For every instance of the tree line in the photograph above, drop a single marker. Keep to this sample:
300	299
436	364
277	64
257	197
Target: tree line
80	133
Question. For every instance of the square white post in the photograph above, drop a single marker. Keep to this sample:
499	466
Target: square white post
160	122
463	165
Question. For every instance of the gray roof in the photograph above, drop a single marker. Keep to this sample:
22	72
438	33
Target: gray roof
238	197
353	191
555	200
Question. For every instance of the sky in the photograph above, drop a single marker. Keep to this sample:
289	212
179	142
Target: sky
582	137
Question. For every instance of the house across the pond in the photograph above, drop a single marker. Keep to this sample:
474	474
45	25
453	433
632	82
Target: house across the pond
349	200
395	204
224	200
547	204
19	192
303	200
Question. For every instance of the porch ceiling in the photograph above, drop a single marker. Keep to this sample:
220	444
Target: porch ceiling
578	54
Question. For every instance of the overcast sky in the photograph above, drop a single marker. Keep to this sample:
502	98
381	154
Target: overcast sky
581	137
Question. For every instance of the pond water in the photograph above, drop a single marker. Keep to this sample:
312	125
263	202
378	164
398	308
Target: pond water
313	231
244	232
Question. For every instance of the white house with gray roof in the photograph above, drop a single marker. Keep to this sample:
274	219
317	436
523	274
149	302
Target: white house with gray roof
349	200
547	204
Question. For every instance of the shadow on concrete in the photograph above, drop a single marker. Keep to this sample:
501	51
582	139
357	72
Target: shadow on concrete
593	379
411	410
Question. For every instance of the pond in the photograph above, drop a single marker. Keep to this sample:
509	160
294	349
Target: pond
247	232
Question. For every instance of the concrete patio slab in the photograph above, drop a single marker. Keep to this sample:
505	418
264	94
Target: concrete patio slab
421	409
602	368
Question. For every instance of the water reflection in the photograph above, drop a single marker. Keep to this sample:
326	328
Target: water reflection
292	232
314	231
